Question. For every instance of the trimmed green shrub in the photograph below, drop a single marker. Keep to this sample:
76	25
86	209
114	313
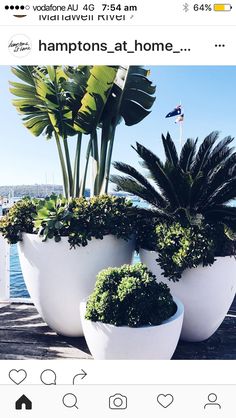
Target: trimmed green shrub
19	219
131	296
180	247
78	219
185	246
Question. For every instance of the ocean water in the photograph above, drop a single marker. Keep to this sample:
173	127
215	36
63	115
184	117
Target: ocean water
17	284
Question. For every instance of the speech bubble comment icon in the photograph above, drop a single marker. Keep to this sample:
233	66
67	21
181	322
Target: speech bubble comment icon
48	377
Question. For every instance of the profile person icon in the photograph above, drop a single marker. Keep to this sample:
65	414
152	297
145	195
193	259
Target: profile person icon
212	398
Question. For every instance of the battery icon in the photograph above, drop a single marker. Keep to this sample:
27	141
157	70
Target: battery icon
222	7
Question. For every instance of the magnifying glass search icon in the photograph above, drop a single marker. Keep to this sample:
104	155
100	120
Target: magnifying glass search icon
70	400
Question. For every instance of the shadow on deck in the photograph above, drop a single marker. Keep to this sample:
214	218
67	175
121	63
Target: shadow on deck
23	335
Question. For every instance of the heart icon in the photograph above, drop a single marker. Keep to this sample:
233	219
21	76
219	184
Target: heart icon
17	376
165	400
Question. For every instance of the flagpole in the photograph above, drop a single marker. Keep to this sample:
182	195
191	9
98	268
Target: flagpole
181	134
181	129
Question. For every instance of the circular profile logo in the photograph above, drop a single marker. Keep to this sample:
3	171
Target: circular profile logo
19	46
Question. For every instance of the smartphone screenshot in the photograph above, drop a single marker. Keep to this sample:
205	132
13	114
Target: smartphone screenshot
117	208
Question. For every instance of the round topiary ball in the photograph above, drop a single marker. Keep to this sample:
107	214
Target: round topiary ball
131	296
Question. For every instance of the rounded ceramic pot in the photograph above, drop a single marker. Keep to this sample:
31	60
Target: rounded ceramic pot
206	292
108	342
59	278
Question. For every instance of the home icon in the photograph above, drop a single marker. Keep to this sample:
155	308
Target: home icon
23	403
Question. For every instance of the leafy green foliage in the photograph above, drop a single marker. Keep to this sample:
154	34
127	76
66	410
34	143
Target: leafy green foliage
64	100
132	96
67	101
96	90
129	296
19	219
182	247
189	197
197	183
78	219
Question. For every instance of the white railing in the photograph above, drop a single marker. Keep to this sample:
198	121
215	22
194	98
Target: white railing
4	270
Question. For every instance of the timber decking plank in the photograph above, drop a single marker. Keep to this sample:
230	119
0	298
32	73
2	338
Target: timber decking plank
222	345
24	335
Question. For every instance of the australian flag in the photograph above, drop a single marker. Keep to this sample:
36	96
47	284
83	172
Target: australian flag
175	112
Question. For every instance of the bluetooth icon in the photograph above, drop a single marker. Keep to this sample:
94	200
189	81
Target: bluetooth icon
186	7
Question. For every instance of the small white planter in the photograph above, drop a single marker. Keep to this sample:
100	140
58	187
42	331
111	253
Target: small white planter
206	292
108	342
58	278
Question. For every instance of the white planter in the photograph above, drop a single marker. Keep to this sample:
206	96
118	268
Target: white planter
206	292
58	278
108	342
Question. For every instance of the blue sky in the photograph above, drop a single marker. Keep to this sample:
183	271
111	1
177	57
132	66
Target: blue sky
207	95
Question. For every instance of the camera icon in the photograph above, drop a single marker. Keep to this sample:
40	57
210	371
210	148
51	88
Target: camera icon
118	401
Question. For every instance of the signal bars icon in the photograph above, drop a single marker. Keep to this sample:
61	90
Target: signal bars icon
18	10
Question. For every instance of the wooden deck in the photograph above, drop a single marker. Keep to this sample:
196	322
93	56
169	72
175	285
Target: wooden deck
23	335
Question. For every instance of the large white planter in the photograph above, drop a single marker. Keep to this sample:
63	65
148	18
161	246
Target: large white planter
206	292
108	342
58	278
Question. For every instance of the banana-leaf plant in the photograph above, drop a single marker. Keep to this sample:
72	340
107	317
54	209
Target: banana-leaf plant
63	102
131	99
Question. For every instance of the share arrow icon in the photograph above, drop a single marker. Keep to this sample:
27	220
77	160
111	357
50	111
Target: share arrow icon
79	376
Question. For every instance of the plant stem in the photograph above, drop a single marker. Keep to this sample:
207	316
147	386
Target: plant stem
109	157
77	166
103	156
69	170
108	131
83	185
63	166
95	162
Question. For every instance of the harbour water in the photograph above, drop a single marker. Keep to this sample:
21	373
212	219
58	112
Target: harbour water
17	285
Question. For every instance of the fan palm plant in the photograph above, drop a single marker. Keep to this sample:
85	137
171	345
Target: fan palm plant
63	102
196	185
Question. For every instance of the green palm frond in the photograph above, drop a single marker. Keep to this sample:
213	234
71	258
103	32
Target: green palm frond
133	173
170	150
223	214
193	188
198	188
158	174
224	173
219	154
181	183
203	153
223	194
131	186
187	154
